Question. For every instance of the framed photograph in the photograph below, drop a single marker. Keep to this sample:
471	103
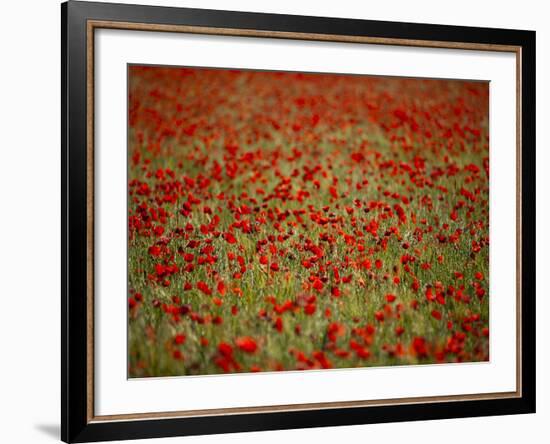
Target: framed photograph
276	221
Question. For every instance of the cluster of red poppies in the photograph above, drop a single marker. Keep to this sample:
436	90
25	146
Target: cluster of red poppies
284	221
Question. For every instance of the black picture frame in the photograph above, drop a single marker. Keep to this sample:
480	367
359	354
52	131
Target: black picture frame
76	425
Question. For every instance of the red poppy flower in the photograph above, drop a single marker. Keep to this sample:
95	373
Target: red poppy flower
179	339
246	344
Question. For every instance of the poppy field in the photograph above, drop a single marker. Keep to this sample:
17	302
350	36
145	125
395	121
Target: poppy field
297	221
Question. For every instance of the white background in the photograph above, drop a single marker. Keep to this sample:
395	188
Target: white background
30	233
115	394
